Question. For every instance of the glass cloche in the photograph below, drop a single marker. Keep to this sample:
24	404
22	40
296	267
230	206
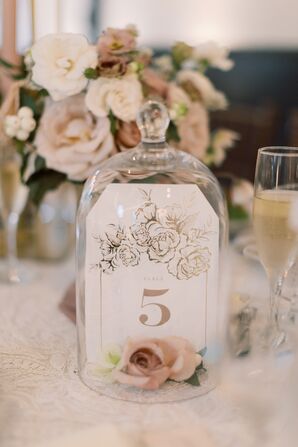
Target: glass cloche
151	232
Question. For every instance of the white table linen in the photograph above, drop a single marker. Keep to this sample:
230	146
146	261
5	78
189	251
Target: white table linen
41	396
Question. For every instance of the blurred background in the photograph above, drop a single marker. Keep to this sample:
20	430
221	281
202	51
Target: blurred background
262	87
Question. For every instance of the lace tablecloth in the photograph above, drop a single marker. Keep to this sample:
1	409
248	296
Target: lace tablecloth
41	396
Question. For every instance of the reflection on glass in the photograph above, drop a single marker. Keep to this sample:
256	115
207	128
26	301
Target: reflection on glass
13	196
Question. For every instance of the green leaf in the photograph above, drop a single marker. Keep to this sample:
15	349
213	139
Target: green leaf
237	212
24	163
203	65
42	181
20	146
7	64
203	351
172	132
43	92
113	121
91	73
39	163
201	367
193	380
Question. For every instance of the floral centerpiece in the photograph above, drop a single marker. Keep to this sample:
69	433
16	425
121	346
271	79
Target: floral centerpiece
75	104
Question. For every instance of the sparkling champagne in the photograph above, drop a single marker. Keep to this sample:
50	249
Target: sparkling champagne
275	228
13	193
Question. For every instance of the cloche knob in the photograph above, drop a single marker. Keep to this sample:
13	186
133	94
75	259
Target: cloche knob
153	120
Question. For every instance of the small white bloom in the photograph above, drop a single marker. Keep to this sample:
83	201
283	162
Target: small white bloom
190	64
10	131
60	61
25	112
212	98
164	63
122	96
222	140
22	135
20	125
28	124
242	193
108	361
12	121
215	55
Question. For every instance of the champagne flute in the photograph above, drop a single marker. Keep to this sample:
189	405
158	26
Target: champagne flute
13	196
275	223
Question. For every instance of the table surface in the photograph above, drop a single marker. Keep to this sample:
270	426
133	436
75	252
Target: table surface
42	397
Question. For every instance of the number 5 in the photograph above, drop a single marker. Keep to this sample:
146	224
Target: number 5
165	312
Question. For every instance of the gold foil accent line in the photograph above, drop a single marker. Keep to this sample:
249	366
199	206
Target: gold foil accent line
206	305
100	307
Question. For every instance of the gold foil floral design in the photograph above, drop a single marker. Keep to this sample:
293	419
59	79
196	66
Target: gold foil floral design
165	235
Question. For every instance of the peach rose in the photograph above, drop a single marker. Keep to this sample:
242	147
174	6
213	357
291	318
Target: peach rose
155	84
127	135
71	140
193	130
148	363
117	41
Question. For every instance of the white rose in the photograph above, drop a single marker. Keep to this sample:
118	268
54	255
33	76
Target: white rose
59	63
215	55
71	140
122	96
211	98
222	140
242	193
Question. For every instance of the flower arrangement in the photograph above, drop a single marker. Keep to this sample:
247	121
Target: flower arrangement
75	104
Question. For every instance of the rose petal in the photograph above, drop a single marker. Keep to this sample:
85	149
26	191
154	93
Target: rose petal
134	345
152	382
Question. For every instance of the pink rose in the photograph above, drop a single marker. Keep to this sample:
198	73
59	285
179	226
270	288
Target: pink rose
117	41
193	130
111	66
154	83
148	363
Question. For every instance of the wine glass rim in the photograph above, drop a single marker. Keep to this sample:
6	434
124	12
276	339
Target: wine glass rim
284	151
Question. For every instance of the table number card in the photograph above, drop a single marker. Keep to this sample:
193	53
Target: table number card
151	266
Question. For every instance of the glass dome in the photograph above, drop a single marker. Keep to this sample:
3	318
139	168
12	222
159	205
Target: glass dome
151	233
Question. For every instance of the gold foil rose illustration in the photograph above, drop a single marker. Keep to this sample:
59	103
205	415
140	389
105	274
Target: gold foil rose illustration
166	235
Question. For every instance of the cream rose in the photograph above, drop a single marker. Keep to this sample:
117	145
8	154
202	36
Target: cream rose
154	82
199	87
193	130
215	55
71	140
59	63
149	363
176	95
242	193
122	96
222	140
